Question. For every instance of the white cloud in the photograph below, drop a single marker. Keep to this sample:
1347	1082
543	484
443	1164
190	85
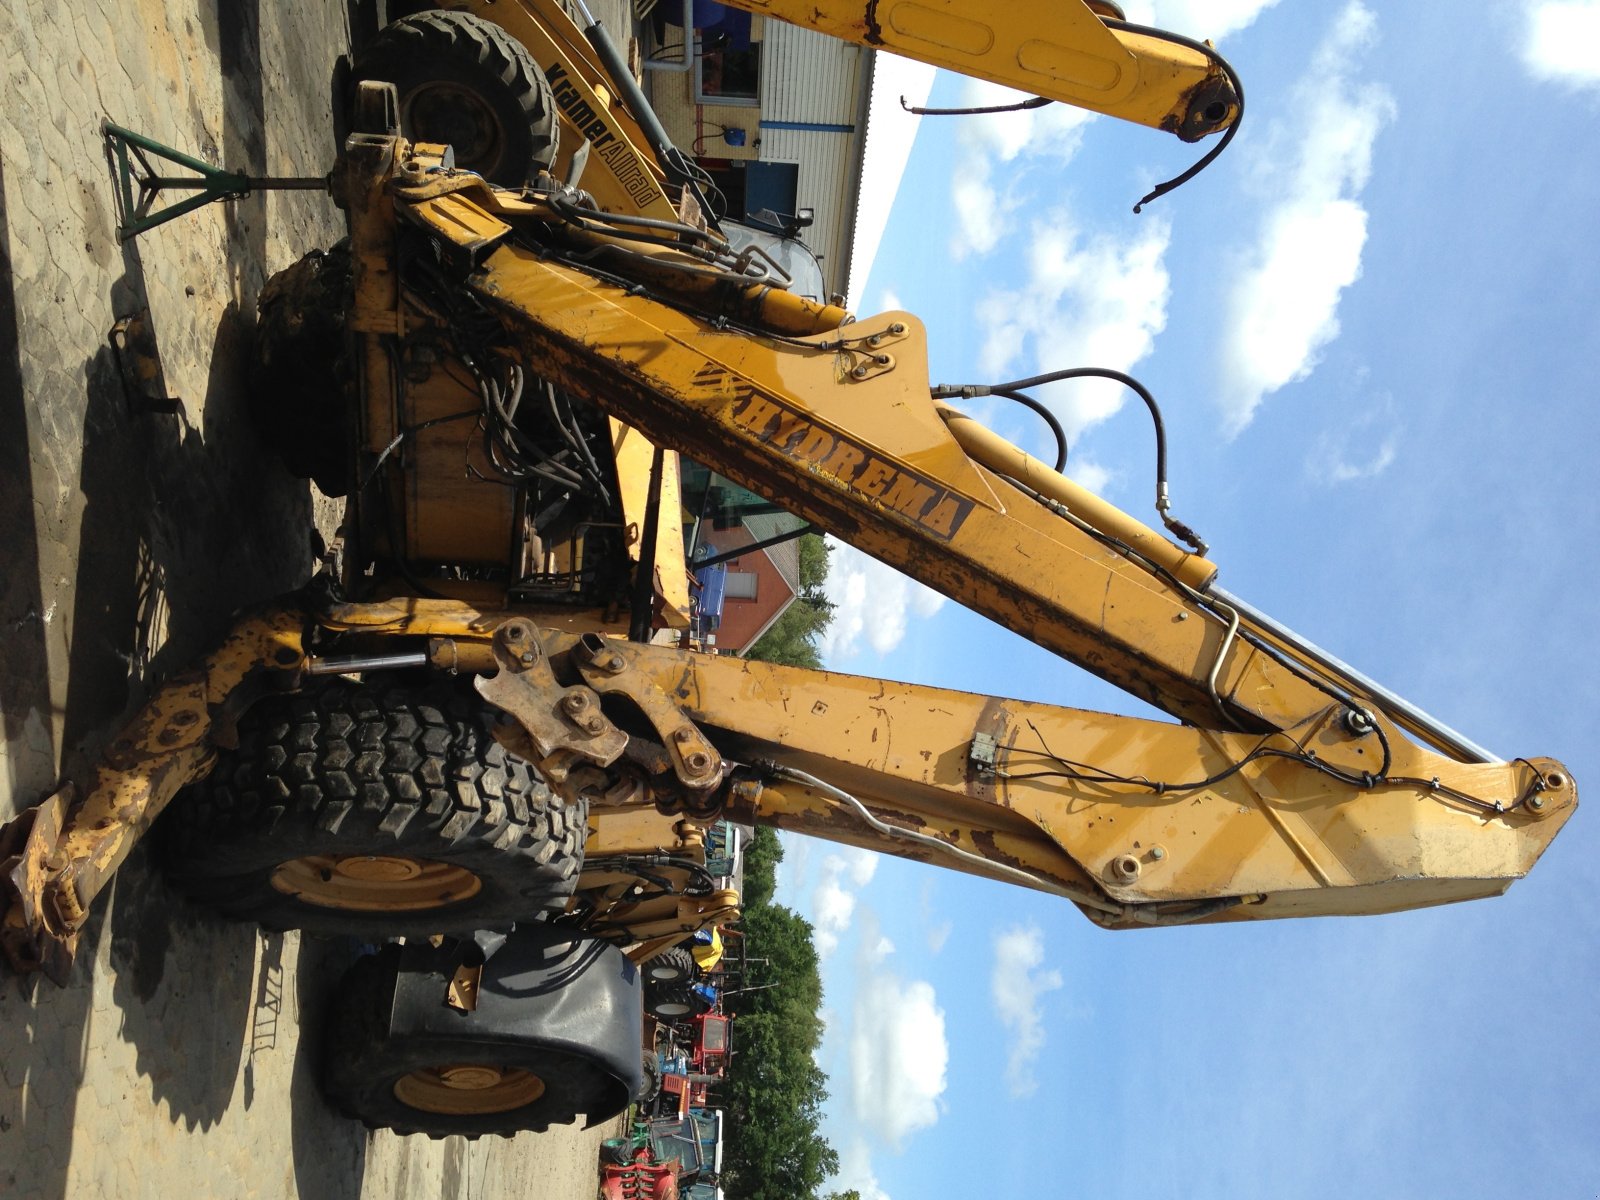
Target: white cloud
1284	305
1560	41
889	301
981	219
873	947
861	865
873	604
989	178
1360	446
1198	19
936	929
855	1171
1016	986
833	904
993	144
1091	474
1088	301
898	1057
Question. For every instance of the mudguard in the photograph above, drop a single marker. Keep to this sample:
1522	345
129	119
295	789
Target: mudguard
545	985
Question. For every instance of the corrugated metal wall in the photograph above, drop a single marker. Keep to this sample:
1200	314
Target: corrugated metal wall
806	78
810	78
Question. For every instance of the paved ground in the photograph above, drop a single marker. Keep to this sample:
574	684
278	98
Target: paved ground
181	1058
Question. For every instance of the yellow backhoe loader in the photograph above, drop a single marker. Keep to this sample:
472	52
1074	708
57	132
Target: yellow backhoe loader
482	715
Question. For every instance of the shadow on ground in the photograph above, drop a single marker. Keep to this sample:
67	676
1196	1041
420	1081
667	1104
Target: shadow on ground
181	525
41	1026
330	1150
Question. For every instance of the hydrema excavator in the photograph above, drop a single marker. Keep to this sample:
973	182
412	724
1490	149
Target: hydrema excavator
486	711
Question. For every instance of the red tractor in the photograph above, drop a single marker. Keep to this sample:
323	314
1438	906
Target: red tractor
685	1077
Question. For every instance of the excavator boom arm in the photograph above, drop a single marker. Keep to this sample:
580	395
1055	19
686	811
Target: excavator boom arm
1289	790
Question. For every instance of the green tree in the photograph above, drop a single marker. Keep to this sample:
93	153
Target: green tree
775	1090
761	859
792	639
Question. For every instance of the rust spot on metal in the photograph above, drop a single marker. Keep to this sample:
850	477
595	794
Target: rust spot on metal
984	839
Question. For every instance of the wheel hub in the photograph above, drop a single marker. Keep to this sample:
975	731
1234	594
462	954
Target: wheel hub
375	882
465	1089
447	112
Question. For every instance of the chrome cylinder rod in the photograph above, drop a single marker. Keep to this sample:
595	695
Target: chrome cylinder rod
1433	730
354	664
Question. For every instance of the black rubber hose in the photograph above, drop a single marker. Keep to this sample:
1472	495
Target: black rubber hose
1049	419
1127	381
1223	65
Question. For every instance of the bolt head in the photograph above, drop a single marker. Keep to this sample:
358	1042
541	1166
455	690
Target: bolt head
1536	803
1125	868
1358	721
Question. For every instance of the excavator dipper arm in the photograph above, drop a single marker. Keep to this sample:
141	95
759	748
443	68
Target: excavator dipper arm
1059	49
1138	822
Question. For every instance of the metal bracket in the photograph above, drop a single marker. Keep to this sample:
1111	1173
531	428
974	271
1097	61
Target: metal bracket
26	846
462	993
56	858
140	185
866	357
564	724
605	665
982	753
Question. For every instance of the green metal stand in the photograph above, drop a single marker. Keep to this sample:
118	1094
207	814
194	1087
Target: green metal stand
139	186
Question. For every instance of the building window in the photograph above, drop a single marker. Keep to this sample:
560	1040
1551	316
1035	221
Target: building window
741	585
727	64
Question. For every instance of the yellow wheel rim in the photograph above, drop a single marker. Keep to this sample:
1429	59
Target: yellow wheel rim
468	1089
375	882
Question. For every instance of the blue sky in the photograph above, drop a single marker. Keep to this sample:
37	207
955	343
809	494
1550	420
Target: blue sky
1374	327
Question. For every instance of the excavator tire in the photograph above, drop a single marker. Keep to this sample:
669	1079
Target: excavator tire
672	965
467	82
377	810
298	394
673	1001
399	1082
